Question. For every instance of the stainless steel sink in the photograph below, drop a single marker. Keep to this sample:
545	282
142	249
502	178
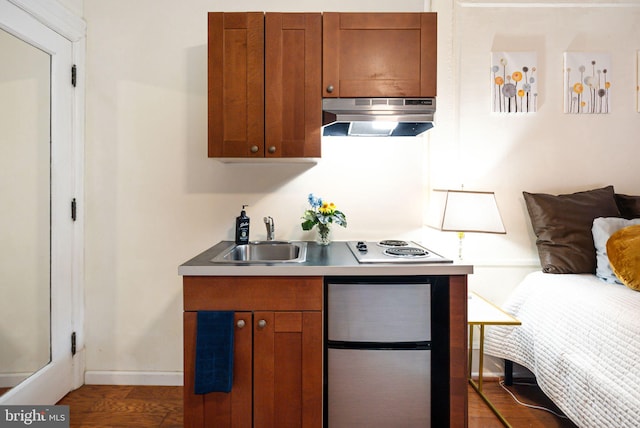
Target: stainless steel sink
263	252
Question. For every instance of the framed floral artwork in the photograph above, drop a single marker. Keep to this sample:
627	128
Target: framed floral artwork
587	82
514	82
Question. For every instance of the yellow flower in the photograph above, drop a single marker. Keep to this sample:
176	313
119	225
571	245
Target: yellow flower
499	80
327	208
578	88
521	93
607	85
517	76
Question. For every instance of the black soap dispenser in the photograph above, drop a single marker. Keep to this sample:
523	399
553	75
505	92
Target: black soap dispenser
242	227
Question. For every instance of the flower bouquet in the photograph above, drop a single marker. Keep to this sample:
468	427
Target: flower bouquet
323	214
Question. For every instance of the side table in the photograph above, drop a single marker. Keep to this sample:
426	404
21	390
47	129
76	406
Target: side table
481	312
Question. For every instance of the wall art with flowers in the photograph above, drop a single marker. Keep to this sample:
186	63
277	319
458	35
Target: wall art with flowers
514	82
587	82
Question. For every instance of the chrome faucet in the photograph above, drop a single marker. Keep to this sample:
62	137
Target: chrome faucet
268	222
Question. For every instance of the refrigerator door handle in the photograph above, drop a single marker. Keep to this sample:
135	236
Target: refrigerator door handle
398	346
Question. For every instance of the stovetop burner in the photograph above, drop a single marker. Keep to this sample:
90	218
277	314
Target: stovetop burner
393	251
406	252
393	243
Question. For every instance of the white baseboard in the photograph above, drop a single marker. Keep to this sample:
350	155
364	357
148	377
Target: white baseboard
133	378
493	368
9	380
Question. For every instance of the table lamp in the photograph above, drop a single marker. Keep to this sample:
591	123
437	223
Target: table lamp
464	211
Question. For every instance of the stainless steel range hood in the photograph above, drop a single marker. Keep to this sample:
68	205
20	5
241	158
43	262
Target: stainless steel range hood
377	117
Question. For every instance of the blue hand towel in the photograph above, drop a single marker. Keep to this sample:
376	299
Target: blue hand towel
214	352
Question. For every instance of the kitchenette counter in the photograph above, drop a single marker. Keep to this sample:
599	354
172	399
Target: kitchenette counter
332	260
281	317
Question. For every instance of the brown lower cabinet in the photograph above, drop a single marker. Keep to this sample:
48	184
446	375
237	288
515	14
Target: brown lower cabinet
277	374
278	349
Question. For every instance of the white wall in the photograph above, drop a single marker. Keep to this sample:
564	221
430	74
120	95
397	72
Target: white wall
153	199
548	151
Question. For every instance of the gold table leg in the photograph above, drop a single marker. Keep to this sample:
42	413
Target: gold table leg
478	386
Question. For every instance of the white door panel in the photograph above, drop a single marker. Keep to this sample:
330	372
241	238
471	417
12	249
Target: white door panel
53	380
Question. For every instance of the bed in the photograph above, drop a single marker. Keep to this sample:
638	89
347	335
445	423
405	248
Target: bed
580	337
580	332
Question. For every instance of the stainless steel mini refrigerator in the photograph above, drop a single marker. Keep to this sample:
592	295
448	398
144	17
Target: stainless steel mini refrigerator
378	353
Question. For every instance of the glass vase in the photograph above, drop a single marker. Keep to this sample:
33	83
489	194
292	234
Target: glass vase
324	234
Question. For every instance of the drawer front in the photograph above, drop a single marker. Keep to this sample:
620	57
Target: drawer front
217	293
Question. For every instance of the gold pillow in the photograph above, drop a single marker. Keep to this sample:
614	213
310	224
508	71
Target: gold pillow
623	249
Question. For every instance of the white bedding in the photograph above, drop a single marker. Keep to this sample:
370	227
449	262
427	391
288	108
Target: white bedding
580	336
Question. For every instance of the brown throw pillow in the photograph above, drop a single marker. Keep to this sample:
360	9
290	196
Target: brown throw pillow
629	206
623	249
563	224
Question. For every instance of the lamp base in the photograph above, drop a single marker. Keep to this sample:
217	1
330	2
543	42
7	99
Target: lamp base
460	238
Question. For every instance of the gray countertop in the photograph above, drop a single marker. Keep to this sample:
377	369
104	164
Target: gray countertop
331	260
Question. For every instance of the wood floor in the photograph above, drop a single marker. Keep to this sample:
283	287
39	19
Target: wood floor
161	406
518	416
98	406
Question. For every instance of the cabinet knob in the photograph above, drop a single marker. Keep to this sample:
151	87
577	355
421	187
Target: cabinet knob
240	323
254	149
272	149
262	324
330	89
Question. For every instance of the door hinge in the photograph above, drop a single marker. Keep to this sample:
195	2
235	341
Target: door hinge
74	209
74	75
73	343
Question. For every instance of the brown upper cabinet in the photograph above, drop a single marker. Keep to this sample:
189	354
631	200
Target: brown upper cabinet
379	54
264	78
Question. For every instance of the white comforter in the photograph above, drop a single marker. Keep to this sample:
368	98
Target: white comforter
580	336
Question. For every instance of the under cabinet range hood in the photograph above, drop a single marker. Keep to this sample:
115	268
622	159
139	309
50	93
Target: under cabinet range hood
377	117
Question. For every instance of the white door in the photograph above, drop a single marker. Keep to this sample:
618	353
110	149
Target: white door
39	182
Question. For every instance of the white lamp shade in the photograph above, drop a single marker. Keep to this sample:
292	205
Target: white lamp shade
464	211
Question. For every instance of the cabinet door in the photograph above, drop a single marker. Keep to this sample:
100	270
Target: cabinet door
287	369
219	409
293	102
236	84
379	54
